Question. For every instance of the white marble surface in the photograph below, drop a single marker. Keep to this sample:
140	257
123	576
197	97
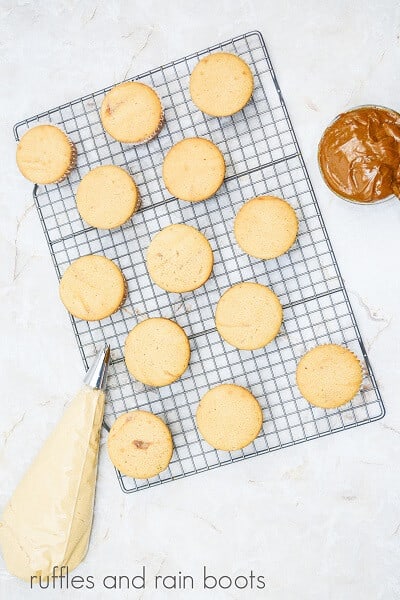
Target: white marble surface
319	521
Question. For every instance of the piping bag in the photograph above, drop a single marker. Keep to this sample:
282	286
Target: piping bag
47	523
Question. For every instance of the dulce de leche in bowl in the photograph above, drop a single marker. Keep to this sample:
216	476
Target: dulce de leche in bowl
359	154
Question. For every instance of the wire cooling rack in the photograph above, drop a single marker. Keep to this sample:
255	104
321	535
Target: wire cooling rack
262	156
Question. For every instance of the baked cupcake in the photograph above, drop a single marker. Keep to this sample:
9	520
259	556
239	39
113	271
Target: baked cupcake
45	154
221	84
93	288
266	227
179	258
140	444
193	169
107	197
131	112
157	352
248	316
229	417
329	375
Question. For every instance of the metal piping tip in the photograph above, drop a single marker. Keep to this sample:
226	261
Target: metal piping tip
96	376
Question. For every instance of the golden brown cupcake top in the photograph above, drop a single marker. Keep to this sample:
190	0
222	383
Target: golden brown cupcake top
193	169
266	227
45	154
179	258
221	84
140	444
329	375
131	112
107	197
229	417
157	351
92	288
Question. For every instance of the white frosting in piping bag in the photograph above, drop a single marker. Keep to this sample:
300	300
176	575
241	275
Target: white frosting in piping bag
48	520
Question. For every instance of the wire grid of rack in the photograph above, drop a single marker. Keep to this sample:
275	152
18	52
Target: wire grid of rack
262	156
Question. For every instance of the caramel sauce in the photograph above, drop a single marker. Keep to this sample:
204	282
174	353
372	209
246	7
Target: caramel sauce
359	154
